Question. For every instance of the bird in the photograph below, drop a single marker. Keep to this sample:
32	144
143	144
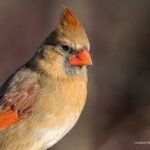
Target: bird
43	99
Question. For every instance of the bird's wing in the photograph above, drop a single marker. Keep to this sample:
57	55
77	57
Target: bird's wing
16	106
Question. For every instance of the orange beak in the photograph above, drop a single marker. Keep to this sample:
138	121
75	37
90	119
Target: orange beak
81	58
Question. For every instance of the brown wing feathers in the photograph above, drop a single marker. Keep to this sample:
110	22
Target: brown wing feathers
15	106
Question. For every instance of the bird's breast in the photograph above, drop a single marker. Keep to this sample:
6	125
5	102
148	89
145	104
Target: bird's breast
51	135
59	108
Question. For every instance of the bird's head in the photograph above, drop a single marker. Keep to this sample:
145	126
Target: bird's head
67	48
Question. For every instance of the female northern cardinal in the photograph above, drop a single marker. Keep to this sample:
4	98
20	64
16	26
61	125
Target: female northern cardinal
43	99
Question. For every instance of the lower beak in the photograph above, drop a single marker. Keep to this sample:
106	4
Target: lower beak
81	58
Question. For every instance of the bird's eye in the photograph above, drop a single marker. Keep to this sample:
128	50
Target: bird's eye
67	49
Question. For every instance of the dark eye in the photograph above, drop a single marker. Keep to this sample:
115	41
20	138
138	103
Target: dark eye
67	49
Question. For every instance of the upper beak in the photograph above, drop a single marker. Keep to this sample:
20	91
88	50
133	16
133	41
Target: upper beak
81	58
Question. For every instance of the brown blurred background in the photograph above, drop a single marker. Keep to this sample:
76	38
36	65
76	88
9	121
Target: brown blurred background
117	113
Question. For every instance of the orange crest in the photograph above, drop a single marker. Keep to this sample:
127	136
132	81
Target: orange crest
69	20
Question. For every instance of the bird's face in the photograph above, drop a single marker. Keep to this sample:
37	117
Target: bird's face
66	58
68	46
72	56
75	57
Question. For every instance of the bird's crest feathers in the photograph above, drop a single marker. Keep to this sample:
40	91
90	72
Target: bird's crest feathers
69	20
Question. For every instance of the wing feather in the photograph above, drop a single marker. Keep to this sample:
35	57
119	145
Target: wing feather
16	106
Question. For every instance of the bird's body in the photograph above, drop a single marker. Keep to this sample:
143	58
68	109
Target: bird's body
42	101
50	124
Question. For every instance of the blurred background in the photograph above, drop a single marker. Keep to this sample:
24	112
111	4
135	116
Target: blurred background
117	113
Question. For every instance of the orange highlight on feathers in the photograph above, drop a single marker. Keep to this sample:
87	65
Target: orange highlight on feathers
69	20
8	118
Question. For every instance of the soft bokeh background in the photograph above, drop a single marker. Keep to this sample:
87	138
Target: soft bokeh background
117	113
